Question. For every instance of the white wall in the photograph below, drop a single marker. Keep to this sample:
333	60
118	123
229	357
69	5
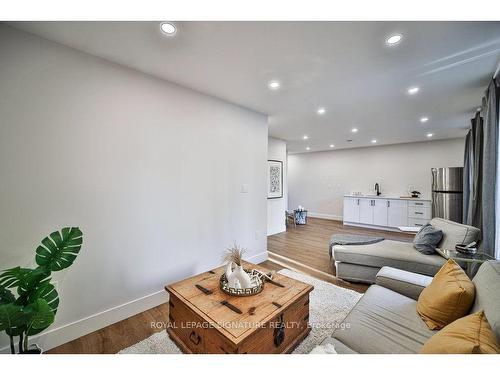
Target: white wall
319	180
150	171
276	150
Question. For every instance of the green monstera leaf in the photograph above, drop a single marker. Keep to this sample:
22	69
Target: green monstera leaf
46	291
13	277
12	318
6	296
31	280
26	280
40	315
59	250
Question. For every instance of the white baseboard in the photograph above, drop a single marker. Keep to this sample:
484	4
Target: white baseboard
324	216
68	332
257	258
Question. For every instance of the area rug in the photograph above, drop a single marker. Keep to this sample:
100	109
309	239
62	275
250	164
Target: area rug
329	305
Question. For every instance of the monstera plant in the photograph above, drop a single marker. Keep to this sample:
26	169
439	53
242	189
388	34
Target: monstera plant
28	299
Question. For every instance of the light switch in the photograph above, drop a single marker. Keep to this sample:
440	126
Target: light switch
244	188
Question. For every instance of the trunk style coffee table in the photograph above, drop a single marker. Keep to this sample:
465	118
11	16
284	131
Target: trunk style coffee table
204	319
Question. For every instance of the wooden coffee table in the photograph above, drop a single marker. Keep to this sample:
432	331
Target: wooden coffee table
203	319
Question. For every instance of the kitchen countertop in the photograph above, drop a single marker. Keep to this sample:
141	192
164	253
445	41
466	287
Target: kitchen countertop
386	197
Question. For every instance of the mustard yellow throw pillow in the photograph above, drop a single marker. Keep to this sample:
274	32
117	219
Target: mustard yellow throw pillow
468	335
448	297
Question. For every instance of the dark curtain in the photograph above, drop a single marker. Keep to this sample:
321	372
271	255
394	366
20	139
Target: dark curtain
480	170
473	173
467	188
490	167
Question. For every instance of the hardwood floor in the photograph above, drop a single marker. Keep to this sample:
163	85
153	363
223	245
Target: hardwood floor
118	336
304	248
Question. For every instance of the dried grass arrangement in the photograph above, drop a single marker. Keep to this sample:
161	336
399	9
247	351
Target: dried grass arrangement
233	254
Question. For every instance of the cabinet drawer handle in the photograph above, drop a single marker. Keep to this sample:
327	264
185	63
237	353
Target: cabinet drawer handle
419	204
419	213
194	338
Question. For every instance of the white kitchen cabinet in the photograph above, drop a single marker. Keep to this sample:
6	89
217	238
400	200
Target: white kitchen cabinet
380	212
351	210
397	213
385	212
366	211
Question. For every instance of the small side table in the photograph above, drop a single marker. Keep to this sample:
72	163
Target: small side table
469	260
300	217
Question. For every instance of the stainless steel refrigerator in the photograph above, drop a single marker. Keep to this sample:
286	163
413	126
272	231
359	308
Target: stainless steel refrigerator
447	193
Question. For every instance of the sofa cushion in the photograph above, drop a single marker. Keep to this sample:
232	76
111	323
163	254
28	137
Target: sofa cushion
448	297
383	322
390	253
487	282
471	334
454	233
426	239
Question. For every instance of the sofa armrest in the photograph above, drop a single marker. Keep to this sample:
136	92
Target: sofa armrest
403	282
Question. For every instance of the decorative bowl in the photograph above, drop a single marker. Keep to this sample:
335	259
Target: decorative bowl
256	278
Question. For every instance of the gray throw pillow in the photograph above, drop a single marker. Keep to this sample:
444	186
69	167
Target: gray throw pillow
426	239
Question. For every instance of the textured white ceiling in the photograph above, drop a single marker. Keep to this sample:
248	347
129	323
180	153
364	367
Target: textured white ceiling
342	66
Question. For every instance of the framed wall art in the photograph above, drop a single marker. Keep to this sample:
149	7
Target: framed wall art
275	179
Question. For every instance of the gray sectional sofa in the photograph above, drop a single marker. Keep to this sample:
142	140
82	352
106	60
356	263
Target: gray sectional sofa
360	263
385	320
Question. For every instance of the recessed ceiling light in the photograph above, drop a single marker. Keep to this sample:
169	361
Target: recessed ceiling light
413	90
354	130
305	137
332	146
393	40
274	85
424	119
168	28
374	141
429	135
308	148
321	111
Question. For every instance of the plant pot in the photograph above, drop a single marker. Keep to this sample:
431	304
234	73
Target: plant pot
33	349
